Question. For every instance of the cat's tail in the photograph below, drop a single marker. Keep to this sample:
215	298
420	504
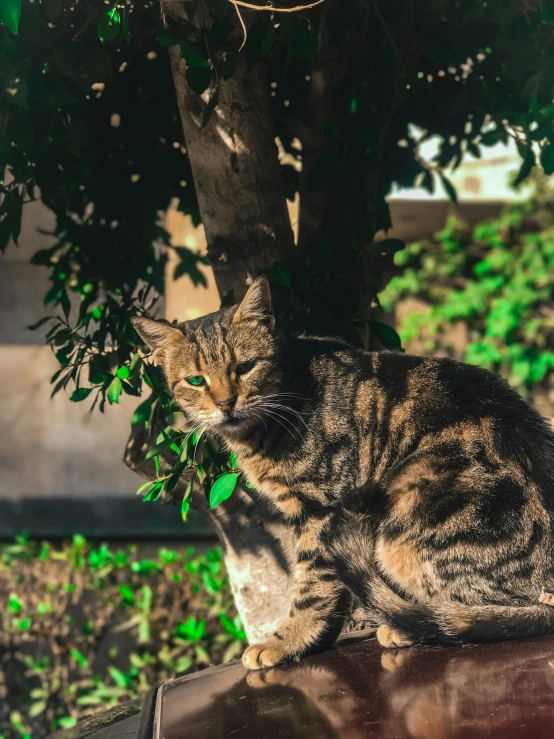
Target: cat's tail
442	624
455	623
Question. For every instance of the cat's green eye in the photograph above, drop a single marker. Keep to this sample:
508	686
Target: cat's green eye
196	380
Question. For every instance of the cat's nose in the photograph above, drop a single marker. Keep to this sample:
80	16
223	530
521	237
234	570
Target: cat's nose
226	405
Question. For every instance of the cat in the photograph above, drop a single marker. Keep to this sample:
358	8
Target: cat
421	488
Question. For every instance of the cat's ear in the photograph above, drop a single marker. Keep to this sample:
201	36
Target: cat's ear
256	304
156	334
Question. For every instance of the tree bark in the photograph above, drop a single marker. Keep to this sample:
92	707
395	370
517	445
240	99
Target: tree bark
236	171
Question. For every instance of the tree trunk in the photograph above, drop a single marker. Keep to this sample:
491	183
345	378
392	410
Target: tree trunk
236	171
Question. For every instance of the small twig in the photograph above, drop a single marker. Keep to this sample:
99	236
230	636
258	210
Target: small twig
269	8
273	9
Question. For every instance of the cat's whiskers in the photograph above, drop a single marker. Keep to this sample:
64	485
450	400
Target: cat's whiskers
279	418
280	406
260	417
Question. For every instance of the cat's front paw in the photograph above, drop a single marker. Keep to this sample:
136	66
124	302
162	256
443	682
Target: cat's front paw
269	654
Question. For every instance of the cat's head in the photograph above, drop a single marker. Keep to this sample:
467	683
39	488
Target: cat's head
221	367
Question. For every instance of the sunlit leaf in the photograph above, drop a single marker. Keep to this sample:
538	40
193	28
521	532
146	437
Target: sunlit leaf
222	488
109	22
10	12
114	390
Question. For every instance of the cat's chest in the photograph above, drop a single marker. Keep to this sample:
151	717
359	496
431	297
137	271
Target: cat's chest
271	481
261	473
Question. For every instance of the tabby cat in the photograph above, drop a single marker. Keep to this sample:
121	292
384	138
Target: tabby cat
422	488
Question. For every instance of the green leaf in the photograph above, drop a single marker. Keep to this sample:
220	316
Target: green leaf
192	57
143	412
144	486
449	187
199	79
94	60
36	709
127	593
526	167
154	493
185	505
78	657
123	372
114	390
386	335
168	442
40	323
546	12
233	460
183	664
65	63
165	38
119	678
14	603
67	722
389	246
280	275
5	232
80	394
547	159
222	488
65	303
10	12
109	22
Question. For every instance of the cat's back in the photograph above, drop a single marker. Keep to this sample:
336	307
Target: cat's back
397	394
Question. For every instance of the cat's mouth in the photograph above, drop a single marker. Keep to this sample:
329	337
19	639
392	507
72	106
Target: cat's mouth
235	422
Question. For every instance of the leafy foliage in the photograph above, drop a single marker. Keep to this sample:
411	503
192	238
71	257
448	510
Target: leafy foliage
498	279
85	628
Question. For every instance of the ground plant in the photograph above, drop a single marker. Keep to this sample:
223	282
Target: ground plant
87	627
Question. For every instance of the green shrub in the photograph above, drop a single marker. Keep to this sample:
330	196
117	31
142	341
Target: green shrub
86	628
498	279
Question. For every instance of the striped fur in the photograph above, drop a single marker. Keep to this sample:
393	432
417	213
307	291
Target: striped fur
422	488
